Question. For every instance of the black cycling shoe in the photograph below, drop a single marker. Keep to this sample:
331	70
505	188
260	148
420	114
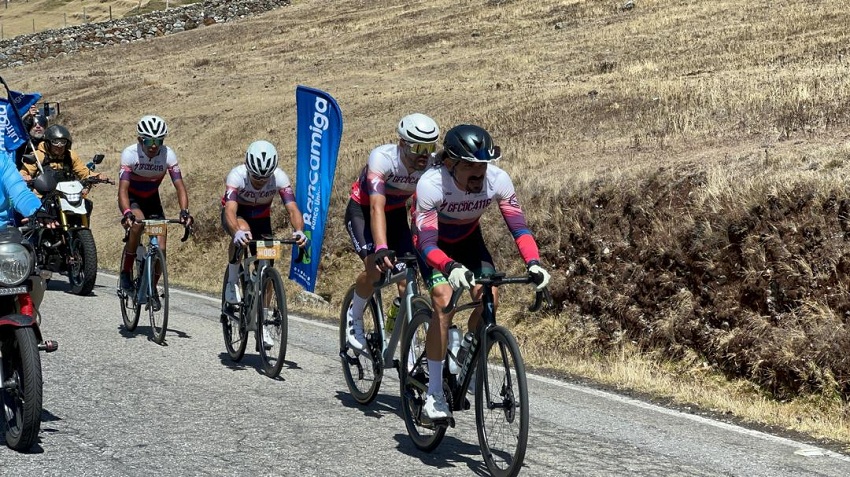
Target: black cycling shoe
155	303
126	281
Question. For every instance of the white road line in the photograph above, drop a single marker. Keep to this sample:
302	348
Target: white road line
802	449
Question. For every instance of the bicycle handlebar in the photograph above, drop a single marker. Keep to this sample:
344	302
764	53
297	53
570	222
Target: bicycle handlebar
288	240
387	276
500	279
187	229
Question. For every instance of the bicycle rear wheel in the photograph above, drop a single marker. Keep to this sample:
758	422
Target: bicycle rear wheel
130	310
272	322
233	325
362	374
414	383
501	404
158	301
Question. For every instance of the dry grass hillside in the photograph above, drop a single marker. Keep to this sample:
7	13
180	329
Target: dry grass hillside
681	163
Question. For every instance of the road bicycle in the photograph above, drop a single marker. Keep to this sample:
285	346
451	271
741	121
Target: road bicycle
501	389
150	280
262	308
363	373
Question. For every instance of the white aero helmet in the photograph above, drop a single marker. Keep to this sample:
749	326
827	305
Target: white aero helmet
261	159
418	128
152	126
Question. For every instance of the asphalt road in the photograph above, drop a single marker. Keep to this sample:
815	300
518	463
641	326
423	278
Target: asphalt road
116	404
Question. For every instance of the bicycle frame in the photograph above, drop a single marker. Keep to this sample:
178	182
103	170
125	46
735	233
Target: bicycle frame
480	336
411	292
145	288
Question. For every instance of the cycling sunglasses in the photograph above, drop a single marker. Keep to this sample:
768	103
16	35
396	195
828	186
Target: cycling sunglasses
59	142
421	149
259	178
152	141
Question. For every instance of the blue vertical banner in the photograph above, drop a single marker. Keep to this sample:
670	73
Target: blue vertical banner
13	131
319	134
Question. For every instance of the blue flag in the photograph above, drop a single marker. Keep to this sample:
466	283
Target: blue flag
319	133
13	131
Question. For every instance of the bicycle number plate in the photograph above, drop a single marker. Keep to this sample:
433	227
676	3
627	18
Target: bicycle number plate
156	228
269	250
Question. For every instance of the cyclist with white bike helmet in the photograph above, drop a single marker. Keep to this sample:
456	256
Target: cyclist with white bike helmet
376	215
450	200
143	166
246	206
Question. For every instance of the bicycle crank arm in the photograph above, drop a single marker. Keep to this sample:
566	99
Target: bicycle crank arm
48	346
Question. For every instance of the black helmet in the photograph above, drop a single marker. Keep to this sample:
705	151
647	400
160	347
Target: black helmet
58	132
471	143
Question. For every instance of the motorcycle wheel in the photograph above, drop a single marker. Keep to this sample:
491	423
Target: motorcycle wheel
21	393
82	267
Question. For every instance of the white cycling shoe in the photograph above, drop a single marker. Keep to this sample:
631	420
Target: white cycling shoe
268	341
356	336
436	408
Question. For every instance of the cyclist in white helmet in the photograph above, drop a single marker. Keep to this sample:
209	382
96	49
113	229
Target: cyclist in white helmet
143	166
246	206
376	216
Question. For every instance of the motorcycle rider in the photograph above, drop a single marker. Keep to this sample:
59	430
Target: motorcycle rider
143	166
55	151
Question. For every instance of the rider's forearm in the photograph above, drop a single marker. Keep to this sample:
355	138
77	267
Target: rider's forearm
182	195
123	196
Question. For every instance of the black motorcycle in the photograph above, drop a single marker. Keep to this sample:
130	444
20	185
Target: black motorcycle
21	290
69	249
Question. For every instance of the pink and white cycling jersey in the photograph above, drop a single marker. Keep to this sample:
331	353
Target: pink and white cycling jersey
387	175
256	203
145	173
444	212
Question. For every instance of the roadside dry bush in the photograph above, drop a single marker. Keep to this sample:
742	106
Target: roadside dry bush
751	277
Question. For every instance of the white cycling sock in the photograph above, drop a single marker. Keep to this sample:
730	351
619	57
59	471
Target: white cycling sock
232	272
358	304
435	377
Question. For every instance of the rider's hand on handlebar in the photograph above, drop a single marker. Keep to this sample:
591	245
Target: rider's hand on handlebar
385	259
241	237
186	218
301	239
41	218
540	274
460	276
128	219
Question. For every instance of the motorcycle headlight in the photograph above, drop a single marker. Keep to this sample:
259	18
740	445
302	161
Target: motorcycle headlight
15	264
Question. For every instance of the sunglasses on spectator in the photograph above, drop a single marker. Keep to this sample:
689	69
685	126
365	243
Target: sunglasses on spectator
421	149
152	141
59	142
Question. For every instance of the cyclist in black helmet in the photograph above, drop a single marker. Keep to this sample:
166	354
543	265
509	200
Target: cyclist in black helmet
450	200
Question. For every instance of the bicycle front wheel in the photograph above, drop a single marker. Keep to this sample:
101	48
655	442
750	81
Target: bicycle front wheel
414	383
272	322
233	325
362	374
158	300
501	404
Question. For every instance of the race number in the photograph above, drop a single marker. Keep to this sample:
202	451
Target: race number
269	250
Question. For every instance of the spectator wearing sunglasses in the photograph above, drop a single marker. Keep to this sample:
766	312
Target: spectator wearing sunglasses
376	215
143	166
35	124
